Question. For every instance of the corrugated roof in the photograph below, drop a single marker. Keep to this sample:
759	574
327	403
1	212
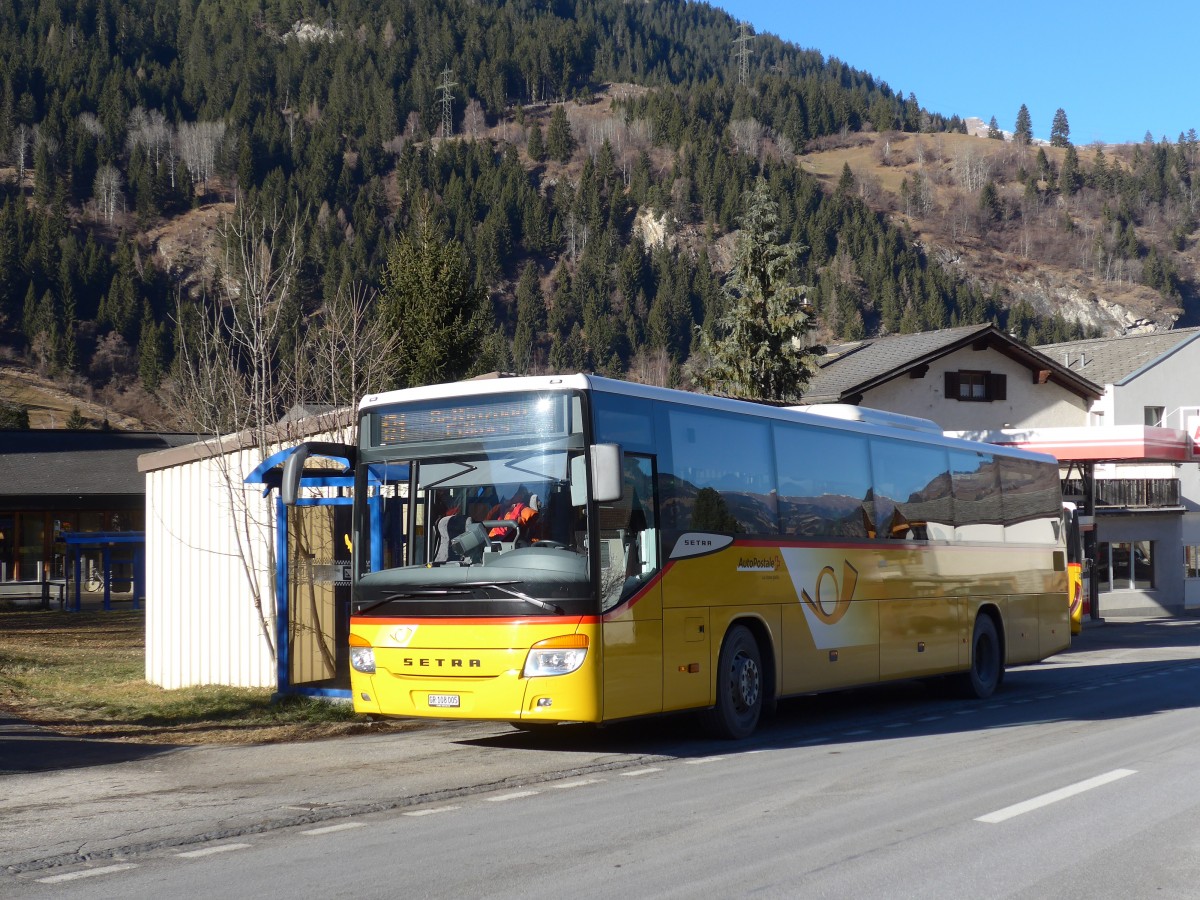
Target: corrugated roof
1114	360
49	463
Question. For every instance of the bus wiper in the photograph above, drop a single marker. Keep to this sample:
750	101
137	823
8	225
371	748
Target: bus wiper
459	591
409	595
533	601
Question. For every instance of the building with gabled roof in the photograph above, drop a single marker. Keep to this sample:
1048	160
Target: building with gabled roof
966	378
54	481
1122	414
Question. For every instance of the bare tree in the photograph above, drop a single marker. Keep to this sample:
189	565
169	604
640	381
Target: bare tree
149	129
20	150
233	383
971	169
346	351
107	191
474	118
198	143
89	123
747	135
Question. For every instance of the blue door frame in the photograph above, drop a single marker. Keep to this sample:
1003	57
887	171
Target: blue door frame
268	473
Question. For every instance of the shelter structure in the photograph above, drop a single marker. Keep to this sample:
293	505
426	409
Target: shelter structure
238	591
56	482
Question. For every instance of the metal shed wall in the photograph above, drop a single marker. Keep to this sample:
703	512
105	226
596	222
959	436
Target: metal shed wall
201	624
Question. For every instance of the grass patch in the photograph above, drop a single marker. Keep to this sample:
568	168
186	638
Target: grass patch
83	674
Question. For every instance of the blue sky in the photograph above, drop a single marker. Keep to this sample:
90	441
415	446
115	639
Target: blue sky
1117	69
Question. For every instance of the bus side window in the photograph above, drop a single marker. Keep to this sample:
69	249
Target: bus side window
629	534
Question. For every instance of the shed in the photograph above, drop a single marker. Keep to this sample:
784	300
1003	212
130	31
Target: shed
214	614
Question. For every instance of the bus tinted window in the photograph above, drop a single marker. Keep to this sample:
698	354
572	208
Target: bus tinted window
1031	500
719	475
627	421
976	481
824	482
912	491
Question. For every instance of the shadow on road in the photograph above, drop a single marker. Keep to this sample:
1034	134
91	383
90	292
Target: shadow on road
28	748
1090	673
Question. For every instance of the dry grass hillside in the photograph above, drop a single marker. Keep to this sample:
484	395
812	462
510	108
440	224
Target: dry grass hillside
51	404
1044	248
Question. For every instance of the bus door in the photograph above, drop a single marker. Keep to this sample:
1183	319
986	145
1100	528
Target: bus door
631	595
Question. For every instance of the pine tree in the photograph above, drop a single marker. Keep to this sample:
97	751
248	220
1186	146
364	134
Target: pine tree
430	302
761	351
537	144
531	318
1023	132
1060	131
994	131
560	142
1069	179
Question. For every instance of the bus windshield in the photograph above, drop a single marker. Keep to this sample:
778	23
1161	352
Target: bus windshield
465	520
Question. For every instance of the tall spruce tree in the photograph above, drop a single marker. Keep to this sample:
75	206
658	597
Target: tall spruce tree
429	300
1060	131
560	142
761	351
1023	132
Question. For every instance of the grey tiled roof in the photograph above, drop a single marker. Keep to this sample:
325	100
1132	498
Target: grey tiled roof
1113	360
846	368
50	463
849	369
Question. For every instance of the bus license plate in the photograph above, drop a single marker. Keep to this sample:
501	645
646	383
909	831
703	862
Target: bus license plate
444	700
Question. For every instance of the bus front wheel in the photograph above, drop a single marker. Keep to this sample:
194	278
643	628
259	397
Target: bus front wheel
987	661
739	687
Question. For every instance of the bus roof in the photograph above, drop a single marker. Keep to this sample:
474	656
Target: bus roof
837	416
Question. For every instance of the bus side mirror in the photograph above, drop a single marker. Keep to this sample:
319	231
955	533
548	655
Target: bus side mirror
293	469
607	481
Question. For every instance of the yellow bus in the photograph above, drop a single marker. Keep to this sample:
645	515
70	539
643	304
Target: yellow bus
539	550
1078	573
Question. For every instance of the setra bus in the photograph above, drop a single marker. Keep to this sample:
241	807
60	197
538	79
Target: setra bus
552	549
1078	567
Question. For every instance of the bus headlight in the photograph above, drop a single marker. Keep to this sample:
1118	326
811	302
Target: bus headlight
556	656
363	659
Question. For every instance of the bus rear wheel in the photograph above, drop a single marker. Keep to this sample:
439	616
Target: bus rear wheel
739	687
987	661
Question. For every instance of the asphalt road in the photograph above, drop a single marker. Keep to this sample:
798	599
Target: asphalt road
1076	780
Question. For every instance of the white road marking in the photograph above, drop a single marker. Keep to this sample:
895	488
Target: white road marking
572	784
430	812
513	796
702	760
1018	809
209	851
636	772
86	873
329	829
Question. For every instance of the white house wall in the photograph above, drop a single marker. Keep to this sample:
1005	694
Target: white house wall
1171	383
201	624
1027	404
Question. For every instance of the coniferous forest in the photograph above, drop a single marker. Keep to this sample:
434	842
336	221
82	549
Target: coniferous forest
576	163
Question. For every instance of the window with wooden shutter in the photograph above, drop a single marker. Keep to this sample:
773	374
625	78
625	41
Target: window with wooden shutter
974	386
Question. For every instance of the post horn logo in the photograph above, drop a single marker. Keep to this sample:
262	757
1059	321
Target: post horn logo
843	593
402	635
